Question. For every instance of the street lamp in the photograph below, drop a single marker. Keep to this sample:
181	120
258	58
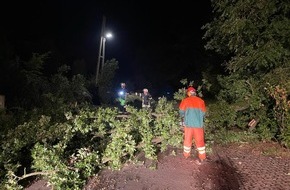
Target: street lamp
102	49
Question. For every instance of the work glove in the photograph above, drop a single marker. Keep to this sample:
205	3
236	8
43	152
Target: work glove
181	123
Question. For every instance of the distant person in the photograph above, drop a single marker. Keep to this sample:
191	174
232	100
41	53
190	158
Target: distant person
192	110
122	95
146	98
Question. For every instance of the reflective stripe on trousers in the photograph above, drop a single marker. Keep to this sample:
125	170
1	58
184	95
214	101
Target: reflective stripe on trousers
201	153
196	134
186	151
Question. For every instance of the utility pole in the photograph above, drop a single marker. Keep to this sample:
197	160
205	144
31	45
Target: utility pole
101	50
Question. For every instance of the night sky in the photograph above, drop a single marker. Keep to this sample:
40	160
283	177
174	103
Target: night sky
156	44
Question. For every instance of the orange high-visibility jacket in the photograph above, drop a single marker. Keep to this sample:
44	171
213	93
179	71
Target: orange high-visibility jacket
192	110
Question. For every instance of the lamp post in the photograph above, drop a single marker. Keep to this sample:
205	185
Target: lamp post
102	49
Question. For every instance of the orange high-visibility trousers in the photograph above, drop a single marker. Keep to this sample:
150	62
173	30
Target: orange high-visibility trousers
196	134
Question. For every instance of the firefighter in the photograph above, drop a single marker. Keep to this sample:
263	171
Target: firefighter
146	98
192	110
122	95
